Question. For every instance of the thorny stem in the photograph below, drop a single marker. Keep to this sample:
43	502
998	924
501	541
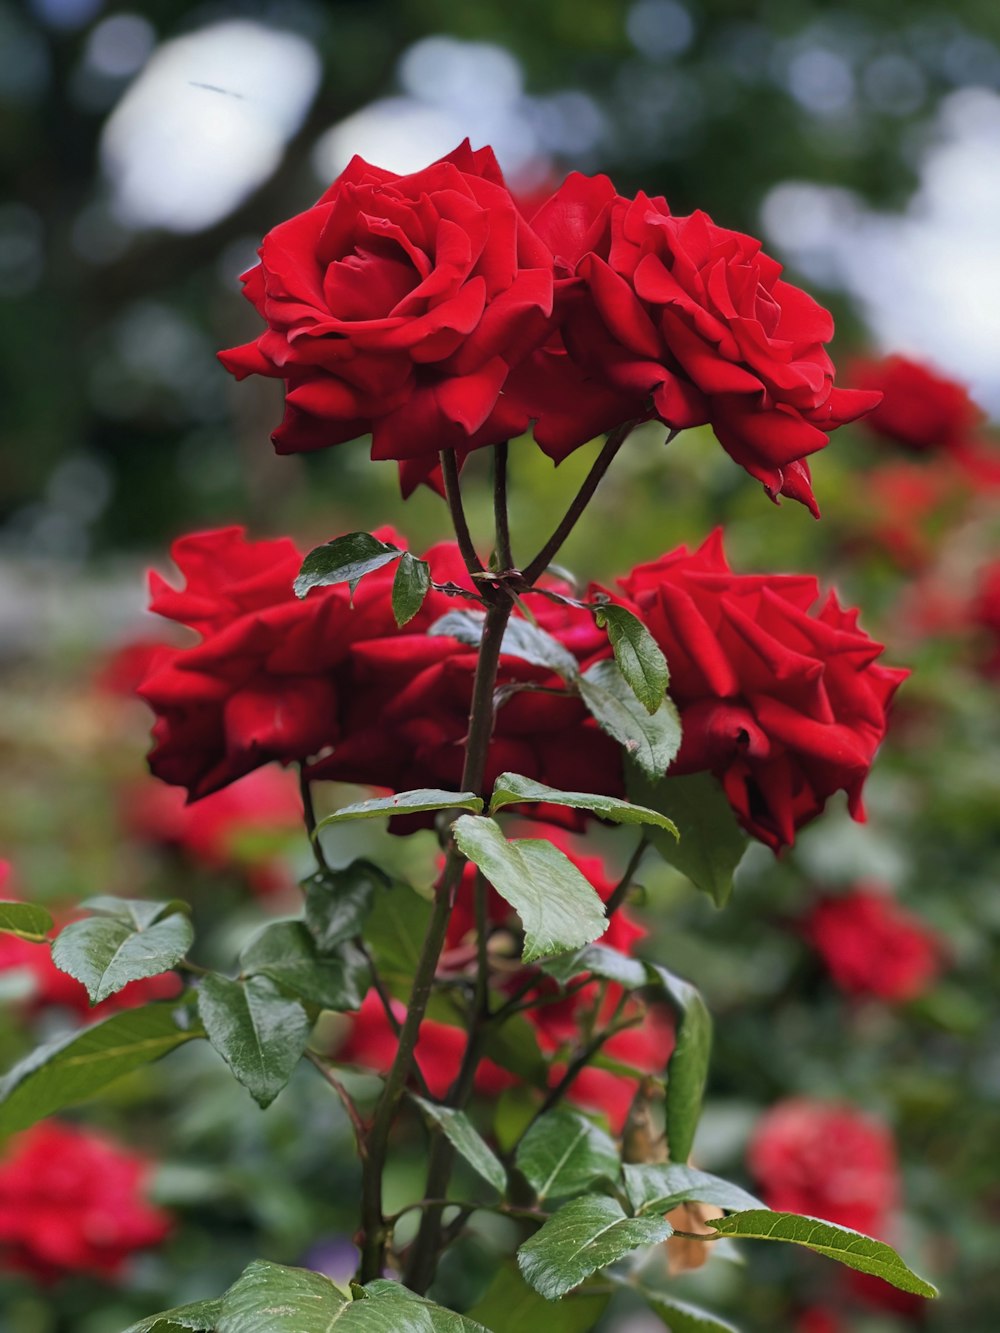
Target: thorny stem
580	501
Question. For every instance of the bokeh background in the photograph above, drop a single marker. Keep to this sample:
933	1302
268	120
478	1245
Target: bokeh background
145	150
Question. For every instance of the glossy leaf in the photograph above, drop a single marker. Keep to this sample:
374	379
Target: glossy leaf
338	902
393	932
105	953
841	1243
687	1069
346	559
137	912
27	921
658	1187
405	802
651	740
409	588
387	1307
585	1235
600	961
467	1141
258	1031
711	843
521	639
558	906
511	1306
564	1153
637	653
200	1316
682	1317
511	788
72	1068
287	953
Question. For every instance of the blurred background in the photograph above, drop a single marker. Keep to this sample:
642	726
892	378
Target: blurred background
146	148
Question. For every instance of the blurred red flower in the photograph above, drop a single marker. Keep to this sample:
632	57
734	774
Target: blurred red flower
921	409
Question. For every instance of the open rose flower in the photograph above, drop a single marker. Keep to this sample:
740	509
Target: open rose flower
692	315
872	946
782	700
921	409
826	1160
262	684
397	305
72	1201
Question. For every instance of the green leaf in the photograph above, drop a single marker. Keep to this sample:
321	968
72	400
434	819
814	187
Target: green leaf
564	1153
201	1316
687	1069
651	740
840	1243
521	639
286	952
409	588
140	913
586	1234
601	961
258	1032
105	953
346	559
70	1069
511	1306
338	902
405	802
25	920
681	1317
558	906
511	788
637	653
272	1298
711	843
656	1188
467	1141
387	1307
394	931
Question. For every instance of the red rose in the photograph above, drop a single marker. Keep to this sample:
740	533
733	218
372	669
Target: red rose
920	409
871	946
826	1160
262	684
985	613
818	1320
907	506
698	317
783	702
398	305
71	1201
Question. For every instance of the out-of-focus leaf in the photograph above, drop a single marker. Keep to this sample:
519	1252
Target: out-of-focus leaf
711	843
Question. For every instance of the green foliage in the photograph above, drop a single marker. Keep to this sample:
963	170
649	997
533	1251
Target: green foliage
564	1153
286	952
467	1141
393	931
405	802
25	920
687	1069
841	1243
656	1188
72	1068
682	1317
346	559
511	788
338	901
409	588
258	1031
128	941
637	653
200	1316
521	639
557	905
584	1235
601	961
511	1306
651	740
711	842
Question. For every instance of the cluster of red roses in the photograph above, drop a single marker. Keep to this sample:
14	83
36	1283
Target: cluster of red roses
428	310
781	699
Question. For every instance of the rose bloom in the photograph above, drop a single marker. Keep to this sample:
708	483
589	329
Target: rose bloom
397	305
909	505
49	987
984	613
872	946
692	314
783	701
72	1201
262	684
826	1160
921	409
